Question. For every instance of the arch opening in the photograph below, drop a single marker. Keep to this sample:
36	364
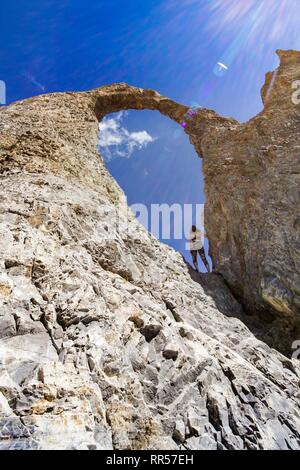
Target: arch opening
160	173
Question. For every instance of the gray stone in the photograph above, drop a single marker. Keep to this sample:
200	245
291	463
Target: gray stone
109	340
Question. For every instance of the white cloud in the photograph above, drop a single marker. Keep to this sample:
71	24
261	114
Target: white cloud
117	141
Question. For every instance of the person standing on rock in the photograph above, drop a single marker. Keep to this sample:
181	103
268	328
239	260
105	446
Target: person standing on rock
196	246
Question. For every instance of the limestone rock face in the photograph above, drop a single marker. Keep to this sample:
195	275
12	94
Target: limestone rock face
252	175
107	338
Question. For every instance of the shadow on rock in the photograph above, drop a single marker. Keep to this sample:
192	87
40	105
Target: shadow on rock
274	330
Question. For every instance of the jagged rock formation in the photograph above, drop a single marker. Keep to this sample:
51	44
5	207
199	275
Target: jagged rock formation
108	340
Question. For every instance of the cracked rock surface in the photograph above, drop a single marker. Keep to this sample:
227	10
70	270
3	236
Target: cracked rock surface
252	176
107	339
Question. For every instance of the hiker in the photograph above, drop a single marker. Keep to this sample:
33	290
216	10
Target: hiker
195	245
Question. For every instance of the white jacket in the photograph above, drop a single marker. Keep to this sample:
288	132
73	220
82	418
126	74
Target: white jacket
196	240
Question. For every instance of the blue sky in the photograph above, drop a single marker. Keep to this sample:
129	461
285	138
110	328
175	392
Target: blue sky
171	46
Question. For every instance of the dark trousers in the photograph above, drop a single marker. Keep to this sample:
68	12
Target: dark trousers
201	252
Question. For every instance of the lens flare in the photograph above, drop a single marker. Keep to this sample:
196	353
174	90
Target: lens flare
220	69
268	19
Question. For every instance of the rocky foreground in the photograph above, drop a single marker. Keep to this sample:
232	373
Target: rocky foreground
108	339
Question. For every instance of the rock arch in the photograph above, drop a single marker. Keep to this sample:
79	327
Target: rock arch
113	343
251	174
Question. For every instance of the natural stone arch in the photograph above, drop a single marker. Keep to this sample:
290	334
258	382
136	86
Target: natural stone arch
251	173
79	312
240	162
119	97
